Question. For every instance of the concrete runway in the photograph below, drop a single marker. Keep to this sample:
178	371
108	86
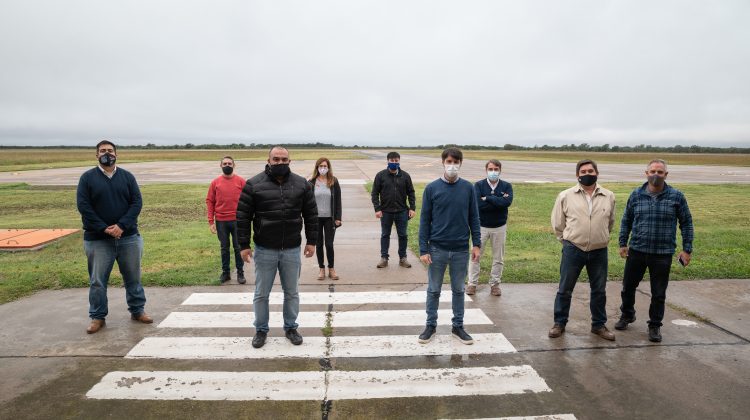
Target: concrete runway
421	168
50	366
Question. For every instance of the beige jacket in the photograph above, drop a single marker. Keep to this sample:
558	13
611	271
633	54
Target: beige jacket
572	222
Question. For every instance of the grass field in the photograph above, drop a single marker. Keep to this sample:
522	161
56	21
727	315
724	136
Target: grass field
729	159
28	159
179	250
532	254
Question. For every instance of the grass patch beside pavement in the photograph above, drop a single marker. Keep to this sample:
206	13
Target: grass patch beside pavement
532	254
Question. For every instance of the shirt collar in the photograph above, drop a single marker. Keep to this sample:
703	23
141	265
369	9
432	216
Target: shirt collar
107	174
446	180
597	190
493	186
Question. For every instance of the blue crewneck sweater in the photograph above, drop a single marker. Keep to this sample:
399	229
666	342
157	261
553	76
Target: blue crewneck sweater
449	216
104	201
493	210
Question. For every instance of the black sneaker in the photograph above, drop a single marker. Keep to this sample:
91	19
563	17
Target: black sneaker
260	339
462	336
427	334
241	277
294	337
622	324
225	277
654	335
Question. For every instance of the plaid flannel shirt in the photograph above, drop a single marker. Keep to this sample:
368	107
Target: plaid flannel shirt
651	222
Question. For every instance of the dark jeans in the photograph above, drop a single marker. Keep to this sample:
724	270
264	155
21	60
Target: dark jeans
223	231
326	232
572	262
401	219
635	267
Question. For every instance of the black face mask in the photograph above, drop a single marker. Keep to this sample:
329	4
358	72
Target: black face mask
107	159
227	170
656	180
587	180
280	170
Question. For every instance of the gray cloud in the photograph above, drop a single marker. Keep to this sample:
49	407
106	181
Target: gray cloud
378	72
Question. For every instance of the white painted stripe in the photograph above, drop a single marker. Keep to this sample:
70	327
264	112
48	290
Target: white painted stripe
225	348
543	417
314	347
407	345
352	181
306	385
495	380
315	298
201	385
403	318
317	319
236	320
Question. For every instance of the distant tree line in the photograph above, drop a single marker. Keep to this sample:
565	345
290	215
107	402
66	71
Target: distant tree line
583	147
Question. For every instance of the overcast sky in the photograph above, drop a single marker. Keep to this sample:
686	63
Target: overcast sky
375	72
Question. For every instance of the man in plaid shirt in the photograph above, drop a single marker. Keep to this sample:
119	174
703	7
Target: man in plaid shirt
650	221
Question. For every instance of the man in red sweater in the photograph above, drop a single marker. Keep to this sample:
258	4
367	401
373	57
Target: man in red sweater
221	203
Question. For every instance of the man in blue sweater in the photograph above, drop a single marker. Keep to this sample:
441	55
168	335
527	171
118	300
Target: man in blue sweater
449	216
494	196
109	201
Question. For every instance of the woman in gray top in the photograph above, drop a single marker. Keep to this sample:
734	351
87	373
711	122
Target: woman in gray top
328	198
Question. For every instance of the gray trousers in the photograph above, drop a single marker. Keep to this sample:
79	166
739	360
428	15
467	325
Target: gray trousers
496	238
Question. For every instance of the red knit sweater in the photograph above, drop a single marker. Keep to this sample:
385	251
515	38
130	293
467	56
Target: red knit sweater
221	200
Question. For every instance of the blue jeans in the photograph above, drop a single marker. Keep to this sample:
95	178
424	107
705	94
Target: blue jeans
572	262
658	266
288	264
101	255
401	219
458	263
223	231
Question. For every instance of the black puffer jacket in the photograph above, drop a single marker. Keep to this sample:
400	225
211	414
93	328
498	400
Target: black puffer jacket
276	211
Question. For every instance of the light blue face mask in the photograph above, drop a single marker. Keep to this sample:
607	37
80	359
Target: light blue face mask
493	176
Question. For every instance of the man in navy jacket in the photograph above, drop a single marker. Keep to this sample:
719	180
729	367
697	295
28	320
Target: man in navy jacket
109	201
494	196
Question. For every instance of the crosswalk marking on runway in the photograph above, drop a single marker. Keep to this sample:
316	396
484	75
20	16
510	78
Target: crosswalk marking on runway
315	347
341	385
382	318
544	417
316	298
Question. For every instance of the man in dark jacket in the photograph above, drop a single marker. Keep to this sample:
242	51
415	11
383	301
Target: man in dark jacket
391	188
109	201
275	202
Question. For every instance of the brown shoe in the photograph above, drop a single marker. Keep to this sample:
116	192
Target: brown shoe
495	290
471	289
383	263
332	274
142	317
96	325
604	333
322	274
556	331
403	262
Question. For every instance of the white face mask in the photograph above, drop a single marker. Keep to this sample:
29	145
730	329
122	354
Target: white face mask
451	170
493	176
322	170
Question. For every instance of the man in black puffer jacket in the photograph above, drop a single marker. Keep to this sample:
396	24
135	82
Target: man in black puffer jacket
275	202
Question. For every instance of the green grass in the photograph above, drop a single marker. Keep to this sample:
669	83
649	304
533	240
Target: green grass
28	159
179	250
532	254
729	159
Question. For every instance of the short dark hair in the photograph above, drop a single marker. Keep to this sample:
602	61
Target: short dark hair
453	152
586	162
276	147
393	155
98	145
227	157
494	162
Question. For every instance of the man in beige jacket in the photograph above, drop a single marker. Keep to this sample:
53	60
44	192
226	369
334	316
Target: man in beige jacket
582	219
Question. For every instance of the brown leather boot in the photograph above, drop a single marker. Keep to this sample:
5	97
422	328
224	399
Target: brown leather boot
495	290
332	274
322	274
604	333
383	263
556	331
471	289
142	317
96	325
